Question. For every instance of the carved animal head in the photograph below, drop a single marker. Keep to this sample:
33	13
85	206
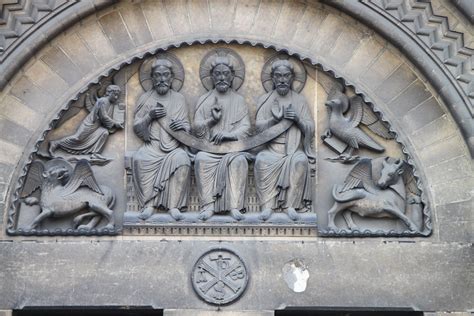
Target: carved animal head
390	173
339	102
57	175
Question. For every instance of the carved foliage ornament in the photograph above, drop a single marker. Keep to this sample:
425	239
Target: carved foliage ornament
218	160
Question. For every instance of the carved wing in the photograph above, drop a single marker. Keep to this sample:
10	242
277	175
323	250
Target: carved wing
34	178
371	120
356	110
335	90
360	176
82	176
409	180
90	99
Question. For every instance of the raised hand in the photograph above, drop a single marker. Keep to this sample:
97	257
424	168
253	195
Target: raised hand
216	111
277	110
158	112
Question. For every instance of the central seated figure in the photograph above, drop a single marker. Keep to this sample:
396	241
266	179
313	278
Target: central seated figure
221	115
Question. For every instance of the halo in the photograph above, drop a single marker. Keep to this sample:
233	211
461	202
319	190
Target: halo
235	59
177	68
300	72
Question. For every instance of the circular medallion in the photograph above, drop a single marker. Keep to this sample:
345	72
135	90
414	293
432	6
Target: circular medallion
206	66
219	276
177	68
300	72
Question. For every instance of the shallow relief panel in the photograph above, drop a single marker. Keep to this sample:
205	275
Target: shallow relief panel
220	139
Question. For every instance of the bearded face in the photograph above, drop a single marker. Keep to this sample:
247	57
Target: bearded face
282	78
222	77
162	78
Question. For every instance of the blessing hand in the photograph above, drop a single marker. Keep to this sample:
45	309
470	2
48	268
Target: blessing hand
216	111
277	110
158	112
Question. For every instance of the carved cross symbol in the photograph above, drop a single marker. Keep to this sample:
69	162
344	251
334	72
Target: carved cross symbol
223	274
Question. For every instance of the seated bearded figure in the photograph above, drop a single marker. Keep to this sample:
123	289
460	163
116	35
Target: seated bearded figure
282	170
221	116
161	167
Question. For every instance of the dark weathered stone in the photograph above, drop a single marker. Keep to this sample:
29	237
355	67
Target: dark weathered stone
59	62
106	272
401	78
116	31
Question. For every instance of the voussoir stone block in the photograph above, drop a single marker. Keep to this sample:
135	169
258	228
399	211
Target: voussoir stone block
97	41
268	13
396	82
452	169
177	15
308	26
115	30
291	11
9	152
364	55
199	16
245	13
20	134
45	78
383	67
435	131
442	151
424	113
328	32
157	19
345	45
59	62
31	95
12	109
222	14
136	24
453	191
77	51
412	96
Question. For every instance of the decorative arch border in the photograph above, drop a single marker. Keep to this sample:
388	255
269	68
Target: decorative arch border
385	16
19	181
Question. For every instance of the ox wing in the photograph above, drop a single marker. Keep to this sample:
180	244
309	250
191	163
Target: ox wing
34	179
360	177
82	176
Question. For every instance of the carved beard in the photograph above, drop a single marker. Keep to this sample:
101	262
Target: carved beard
283	89
222	86
162	88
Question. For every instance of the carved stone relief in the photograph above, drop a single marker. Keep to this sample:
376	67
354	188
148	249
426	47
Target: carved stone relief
219	277
221	139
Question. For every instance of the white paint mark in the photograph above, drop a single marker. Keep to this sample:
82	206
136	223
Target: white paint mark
296	274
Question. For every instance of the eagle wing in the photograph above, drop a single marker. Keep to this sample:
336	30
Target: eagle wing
360	176
376	125
34	178
356	110
82	176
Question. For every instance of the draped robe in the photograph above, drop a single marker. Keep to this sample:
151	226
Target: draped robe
157	160
93	131
282	173
221	178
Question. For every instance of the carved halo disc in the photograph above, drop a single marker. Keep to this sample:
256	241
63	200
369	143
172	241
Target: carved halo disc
235	59
219	276
300	72
177	68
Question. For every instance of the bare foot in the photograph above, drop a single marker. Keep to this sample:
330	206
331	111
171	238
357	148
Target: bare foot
235	213
146	213
176	214
292	214
206	215
266	213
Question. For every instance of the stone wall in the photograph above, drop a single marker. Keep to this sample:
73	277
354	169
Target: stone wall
430	274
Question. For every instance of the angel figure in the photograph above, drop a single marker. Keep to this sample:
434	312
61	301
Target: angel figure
94	130
66	191
345	117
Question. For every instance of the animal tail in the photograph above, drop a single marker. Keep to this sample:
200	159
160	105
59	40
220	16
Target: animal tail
367	141
346	196
109	196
